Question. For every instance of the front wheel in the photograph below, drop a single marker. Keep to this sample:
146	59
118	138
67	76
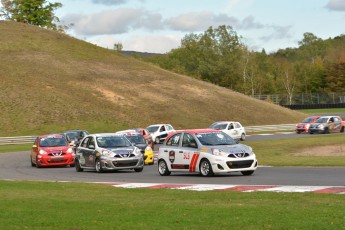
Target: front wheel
247	173
243	137
163	168
78	168
138	169
206	168
37	165
99	168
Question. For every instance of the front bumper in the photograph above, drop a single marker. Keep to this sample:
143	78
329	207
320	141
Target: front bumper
45	161
316	130
229	164
149	157
112	163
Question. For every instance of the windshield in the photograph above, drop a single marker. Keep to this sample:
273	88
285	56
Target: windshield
216	138
72	136
219	126
138	139
322	120
308	120
112	142
152	129
53	142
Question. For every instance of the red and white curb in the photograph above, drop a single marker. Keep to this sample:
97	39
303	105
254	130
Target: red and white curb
240	188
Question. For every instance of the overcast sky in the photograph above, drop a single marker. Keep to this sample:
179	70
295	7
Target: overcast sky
159	25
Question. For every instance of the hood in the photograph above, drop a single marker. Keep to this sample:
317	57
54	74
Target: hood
141	146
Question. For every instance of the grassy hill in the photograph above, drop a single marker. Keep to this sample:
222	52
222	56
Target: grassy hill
50	82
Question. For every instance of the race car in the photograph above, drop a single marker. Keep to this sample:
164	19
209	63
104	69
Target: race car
51	150
233	128
138	140
304	125
327	124
108	152
160	131
204	151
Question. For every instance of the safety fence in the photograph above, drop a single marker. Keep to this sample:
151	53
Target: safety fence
249	129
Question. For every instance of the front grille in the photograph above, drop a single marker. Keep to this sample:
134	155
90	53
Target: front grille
124	155
238	155
239	164
56	153
125	163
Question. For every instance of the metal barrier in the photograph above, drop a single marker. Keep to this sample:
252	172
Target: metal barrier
262	128
17	140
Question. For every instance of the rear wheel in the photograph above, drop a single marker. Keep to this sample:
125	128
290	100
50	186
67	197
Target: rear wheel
163	168
78	168
206	168
99	168
32	163
247	173
342	129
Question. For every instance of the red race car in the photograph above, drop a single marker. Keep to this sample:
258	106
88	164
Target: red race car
51	150
304	125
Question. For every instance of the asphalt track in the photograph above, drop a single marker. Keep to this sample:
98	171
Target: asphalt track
16	166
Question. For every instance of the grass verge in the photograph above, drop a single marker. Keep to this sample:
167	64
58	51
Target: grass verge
53	205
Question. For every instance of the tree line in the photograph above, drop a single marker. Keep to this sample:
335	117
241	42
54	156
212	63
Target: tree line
219	56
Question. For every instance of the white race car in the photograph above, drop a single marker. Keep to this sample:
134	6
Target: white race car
206	151
160	131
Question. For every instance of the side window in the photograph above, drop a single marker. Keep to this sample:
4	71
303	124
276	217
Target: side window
237	125
336	119
162	129
188	141
91	142
169	127
231	126
174	140
84	143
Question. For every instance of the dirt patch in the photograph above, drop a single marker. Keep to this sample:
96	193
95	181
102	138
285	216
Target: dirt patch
331	150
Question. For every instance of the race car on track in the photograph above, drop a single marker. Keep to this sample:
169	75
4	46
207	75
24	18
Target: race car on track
304	125
138	140
108	151
327	124
233	128
51	150
206	151
160	131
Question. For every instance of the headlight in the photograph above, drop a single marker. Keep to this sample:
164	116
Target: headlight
137	151
216	152
69	150
320	126
42	152
106	153
307	126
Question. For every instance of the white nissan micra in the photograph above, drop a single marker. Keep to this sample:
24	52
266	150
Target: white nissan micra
206	151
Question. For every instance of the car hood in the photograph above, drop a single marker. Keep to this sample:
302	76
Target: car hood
316	124
232	148
122	150
141	146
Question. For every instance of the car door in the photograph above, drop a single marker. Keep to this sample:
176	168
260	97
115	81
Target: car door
336	124
84	153
188	153
90	153
232	131
169	152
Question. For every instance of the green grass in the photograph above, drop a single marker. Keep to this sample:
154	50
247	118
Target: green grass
323	111
53	205
53	82
15	148
287	152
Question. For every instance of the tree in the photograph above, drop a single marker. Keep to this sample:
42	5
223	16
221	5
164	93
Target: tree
118	47
33	12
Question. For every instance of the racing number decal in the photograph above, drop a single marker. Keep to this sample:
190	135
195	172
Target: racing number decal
172	156
192	165
186	156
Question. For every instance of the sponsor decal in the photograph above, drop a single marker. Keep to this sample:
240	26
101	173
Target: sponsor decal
172	156
179	166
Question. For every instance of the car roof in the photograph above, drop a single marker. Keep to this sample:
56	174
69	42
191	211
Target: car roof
54	135
104	134
196	131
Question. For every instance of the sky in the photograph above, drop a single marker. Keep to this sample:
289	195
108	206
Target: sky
157	26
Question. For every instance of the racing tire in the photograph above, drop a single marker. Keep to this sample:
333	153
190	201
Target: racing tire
298	132
163	168
205	168
311	132
37	165
342	129
78	168
32	163
247	173
157	140
243	137
139	169
98	166
326	131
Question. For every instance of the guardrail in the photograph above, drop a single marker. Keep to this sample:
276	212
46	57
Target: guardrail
249	129
17	140
265	128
